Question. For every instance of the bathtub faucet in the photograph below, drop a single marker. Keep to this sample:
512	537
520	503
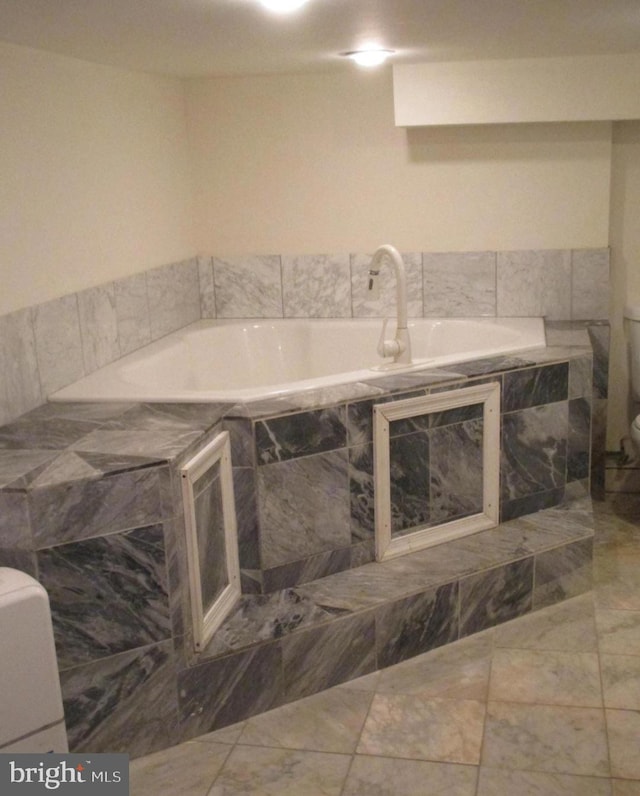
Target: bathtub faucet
398	347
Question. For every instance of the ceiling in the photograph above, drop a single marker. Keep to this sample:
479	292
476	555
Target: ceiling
232	37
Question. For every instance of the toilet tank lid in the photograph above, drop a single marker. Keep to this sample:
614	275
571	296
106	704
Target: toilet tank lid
632	312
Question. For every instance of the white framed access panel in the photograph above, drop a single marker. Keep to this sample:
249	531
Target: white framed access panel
389	545
211	537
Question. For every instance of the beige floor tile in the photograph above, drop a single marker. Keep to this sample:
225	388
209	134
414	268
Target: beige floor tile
566	626
546	677
618	631
188	770
617	579
280	772
502	782
416	727
623	727
384	776
327	722
621	681
625	787
457	671
565	740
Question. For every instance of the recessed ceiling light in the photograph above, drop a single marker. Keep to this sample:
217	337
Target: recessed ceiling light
369	57
283	6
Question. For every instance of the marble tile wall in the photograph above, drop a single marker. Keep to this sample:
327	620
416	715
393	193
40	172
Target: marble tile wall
313	513
45	347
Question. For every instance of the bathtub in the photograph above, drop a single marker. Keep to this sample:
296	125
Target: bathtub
249	360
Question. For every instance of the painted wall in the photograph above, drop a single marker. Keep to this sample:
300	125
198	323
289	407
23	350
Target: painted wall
312	163
95	178
625	271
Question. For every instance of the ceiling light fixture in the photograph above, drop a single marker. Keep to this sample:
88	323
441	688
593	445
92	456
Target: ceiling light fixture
283	6
369	57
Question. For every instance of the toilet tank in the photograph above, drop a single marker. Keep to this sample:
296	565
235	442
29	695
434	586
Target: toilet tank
632	315
31	712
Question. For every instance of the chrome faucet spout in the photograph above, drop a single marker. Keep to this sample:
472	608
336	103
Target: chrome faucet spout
400	346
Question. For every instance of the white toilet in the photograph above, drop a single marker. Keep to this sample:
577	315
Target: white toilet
632	314
31	713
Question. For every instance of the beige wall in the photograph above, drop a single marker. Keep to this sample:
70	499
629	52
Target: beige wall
625	276
95	180
313	163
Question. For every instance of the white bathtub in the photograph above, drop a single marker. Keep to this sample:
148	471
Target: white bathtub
246	360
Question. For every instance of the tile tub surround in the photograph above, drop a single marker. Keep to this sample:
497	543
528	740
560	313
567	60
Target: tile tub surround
45	347
89	504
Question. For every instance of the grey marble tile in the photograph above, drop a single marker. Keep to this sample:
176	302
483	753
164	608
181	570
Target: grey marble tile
15	526
364	306
207	287
161	445
361	489
71	512
161	417
562	573
20	388
459	284
387	776
132	313
534	450
287	437
107	595
31	433
98	326
248	287
455	472
348	651
229	689
600	337
589	284
242	445
244	489
534	283
17	466
307	569
416	624
529	504
580	377
564	740
495	596
579	442
174	297
304	507
424	728
535	386
281	772
58	343
264	617
21	560
409	473
316	286
124	703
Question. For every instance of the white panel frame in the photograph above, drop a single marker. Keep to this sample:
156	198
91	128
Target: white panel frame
207	619
426	536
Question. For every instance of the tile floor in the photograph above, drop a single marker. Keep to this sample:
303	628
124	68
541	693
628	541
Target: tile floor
547	704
